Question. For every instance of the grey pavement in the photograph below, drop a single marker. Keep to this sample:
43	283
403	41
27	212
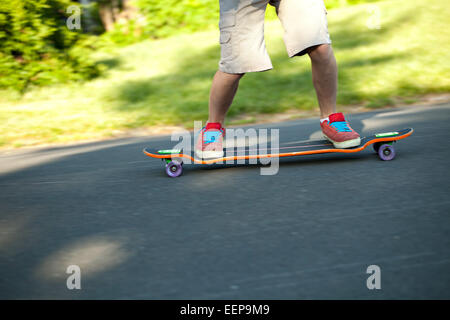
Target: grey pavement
227	232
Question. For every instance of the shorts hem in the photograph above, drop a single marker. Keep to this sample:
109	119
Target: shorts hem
239	71
293	53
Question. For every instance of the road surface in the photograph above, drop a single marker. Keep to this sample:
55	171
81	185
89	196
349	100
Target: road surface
227	232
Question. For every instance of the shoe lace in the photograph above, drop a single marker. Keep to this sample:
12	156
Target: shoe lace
341	126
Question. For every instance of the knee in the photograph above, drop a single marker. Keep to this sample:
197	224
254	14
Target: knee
321	53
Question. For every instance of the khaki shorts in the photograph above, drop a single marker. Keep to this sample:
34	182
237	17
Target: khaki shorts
242	31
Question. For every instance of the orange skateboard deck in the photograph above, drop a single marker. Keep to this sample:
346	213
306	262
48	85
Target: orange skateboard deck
382	144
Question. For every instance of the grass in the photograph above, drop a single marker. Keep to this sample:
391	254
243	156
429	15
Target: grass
166	82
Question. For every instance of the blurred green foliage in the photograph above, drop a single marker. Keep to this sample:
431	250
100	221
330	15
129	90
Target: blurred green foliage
165	18
160	19
37	48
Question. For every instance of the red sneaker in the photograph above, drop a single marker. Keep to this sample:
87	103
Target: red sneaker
210	141
339	132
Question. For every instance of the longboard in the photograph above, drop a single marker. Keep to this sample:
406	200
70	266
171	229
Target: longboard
382	144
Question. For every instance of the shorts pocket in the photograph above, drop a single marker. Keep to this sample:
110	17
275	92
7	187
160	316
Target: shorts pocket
225	44
226	26
225	37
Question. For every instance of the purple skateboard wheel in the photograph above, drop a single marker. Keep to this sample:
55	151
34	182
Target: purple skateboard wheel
174	169
386	152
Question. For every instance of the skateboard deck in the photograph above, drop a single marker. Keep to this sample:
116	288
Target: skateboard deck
382	144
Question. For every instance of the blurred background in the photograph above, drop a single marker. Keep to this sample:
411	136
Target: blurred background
144	66
91	70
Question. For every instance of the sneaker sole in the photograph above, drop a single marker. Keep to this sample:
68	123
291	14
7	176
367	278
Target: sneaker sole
209	154
345	144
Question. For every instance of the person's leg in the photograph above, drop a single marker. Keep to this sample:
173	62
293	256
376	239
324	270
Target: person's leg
223	89
324	75
242	50
306	32
324	72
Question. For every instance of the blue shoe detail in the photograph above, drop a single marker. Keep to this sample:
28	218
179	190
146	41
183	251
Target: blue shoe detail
211	136
341	126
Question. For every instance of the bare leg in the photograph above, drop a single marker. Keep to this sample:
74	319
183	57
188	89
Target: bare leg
223	90
324	73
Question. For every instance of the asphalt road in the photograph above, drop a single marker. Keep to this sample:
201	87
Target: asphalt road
227	232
